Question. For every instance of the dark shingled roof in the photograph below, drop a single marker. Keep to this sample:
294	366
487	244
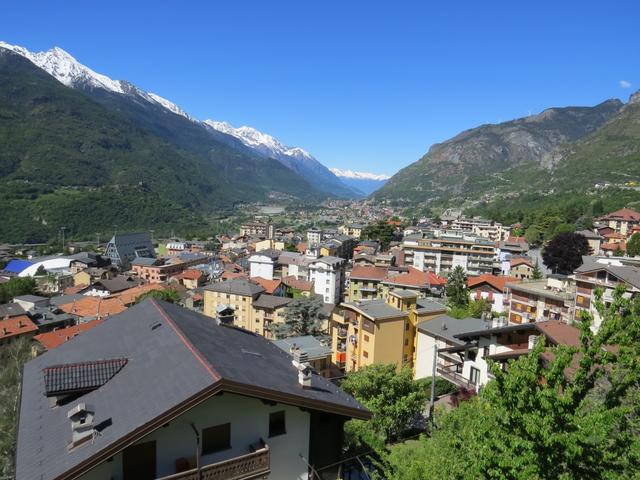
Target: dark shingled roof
174	356
236	286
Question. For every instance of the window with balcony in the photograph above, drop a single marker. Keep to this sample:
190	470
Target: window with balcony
216	439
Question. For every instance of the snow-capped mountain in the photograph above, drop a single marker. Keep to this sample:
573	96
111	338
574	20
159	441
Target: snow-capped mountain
67	70
295	158
363	181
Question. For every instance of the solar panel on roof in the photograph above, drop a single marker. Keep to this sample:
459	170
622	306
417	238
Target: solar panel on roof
80	377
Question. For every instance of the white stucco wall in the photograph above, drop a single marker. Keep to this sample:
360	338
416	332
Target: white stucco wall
249	418
261	266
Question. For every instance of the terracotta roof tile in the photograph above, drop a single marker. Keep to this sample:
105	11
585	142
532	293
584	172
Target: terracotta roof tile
18	325
269	286
365	272
56	338
417	278
497	282
94	307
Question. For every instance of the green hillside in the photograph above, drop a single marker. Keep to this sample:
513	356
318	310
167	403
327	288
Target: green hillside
67	160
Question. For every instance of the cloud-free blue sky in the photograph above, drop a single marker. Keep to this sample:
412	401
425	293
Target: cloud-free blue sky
364	85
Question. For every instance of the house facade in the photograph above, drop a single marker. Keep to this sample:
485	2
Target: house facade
213	415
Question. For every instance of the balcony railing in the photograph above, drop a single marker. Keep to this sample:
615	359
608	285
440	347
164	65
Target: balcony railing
454	377
250	466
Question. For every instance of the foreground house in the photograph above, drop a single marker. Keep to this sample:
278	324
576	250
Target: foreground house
160	391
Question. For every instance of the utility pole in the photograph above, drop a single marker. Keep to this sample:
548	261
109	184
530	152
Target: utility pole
433	385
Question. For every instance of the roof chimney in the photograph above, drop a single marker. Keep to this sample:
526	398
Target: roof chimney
82	428
304	369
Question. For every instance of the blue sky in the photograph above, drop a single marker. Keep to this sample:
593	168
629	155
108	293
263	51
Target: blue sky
364	85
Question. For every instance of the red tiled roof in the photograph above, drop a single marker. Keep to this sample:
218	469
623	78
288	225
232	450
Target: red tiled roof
514	239
624	214
56	338
18	325
365	272
497	282
189	275
75	289
270	286
129	296
613	236
94	307
417	278
293	282
514	262
560	333
227	275
301	247
612	247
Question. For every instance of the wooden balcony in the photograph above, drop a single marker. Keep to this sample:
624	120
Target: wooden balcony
253	465
454	377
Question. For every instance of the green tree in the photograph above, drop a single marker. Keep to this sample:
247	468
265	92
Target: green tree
14	357
168	295
557	413
536	274
633	245
533	235
381	232
479	306
563	254
456	289
394	398
303	316
17	286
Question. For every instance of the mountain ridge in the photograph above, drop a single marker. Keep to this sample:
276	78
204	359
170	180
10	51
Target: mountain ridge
472	164
70	72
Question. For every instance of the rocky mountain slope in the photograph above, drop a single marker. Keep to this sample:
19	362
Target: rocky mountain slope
498	158
92	162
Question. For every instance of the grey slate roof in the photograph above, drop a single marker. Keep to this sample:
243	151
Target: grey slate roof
270	301
627	273
144	261
377	309
11	310
271	253
306	343
30	298
63	299
204	357
428	305
236	286
122	248
448	328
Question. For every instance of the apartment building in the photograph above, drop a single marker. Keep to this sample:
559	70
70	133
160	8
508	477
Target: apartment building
352	229
491	288
622	221
441	254
481	227
365	283
540	300
237	294
606	274
379	331
326	273
257	228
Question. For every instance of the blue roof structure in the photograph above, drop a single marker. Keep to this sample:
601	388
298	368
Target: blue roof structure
16	266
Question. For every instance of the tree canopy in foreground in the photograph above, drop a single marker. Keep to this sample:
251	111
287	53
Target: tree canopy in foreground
558	413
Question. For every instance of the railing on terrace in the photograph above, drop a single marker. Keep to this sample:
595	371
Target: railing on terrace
252	465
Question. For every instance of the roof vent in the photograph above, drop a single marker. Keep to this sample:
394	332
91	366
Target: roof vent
444	326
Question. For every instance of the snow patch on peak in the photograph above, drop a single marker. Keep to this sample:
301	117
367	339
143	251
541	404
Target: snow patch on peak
359	175
66	69
169	105
263	142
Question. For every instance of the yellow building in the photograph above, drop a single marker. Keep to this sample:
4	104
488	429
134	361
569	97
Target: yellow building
379	331
365	283
352	229
237	294
246	304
